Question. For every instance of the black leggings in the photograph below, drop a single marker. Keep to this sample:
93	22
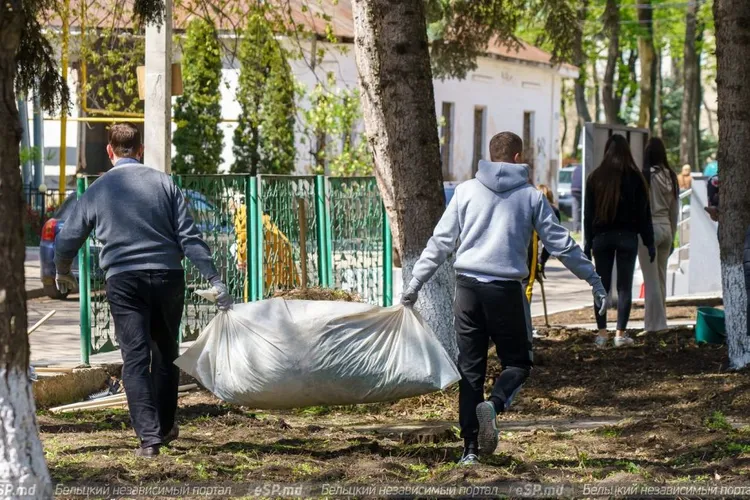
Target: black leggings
620	247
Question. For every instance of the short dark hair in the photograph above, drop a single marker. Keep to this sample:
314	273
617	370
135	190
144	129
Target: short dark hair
125	139
505	146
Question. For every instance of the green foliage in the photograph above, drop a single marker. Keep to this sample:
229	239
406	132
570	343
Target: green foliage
718	422
330	125
264	137
459	31
197	112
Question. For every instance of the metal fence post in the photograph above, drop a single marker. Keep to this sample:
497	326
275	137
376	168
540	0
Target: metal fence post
248	290
329	233
84	286
387	262
255	239
323	229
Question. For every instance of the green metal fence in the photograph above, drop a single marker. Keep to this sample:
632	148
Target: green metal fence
267	234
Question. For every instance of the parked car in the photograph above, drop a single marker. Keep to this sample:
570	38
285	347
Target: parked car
50	230
564	198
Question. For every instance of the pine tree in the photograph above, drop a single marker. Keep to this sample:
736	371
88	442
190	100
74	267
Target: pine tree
198	139
264	137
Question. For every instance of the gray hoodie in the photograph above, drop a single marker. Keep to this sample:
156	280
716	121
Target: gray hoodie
489	223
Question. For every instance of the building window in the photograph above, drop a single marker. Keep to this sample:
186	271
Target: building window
528	142
446	140
480	113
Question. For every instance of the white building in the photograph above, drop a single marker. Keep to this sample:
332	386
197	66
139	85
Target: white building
519	91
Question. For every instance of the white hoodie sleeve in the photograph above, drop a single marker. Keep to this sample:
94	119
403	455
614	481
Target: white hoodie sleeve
443	242
558	242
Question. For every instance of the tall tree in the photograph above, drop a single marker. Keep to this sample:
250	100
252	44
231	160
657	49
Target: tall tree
689	126
197	112
647	54
580	60
264	137
27	63
733	47
398	104
609	95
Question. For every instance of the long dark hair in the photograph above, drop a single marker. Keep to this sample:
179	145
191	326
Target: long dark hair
607	179
655	156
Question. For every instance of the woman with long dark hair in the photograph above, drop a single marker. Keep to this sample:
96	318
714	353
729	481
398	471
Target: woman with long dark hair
665	206
616	212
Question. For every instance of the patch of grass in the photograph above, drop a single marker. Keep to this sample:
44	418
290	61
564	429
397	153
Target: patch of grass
610	431
305	469
315	411
420	470
718	422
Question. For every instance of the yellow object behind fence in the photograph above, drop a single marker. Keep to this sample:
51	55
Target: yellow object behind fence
279	269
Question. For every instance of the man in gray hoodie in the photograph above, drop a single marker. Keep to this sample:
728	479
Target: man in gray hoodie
145	227
488	224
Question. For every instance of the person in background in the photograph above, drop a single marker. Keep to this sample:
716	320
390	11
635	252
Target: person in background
488	224
665	210
143	223
617	211
685	179
576	190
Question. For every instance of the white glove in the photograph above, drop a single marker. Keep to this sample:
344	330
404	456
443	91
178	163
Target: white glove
224	300
65	283
410	296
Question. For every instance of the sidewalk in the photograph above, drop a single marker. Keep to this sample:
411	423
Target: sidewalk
32	273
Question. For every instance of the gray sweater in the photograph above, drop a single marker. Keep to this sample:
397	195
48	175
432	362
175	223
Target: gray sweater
142	221
489	223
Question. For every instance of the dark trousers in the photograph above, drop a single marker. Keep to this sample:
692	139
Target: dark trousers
485	311
147	308
619	247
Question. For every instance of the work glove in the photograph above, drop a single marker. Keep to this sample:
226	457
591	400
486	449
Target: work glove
600	298
651	253
224	300
411	294
65	282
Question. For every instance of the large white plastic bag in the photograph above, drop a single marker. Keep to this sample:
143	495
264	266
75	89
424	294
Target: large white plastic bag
277	354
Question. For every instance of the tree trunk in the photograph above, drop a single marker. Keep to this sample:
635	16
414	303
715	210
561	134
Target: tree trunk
612	27
23	467
688	126
579	59
658	97
597	93
647	55
398	103
733	46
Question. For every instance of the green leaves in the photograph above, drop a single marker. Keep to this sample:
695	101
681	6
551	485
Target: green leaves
197	112
264	138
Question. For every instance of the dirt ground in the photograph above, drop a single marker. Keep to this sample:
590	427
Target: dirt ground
670	412
586	315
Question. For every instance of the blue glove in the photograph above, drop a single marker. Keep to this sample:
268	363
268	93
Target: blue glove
600	298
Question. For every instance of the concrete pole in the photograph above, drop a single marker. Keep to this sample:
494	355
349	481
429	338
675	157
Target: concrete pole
158	108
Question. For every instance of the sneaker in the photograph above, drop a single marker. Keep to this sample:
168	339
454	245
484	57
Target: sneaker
488	435
623	341
601	341
173	434
468	460
147	451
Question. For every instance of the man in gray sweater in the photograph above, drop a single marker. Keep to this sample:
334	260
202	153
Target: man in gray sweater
143	223
488	224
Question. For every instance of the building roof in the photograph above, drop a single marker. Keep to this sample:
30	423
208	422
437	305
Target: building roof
312	15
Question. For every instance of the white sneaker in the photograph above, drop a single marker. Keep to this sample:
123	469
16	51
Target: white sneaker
601	341
623	341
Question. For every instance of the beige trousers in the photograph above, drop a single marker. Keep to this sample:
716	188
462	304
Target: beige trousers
655	276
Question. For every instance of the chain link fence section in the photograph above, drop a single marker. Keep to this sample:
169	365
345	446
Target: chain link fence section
216	203
357	246
290	244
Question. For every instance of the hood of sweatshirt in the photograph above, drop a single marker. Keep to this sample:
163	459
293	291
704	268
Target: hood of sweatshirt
501	176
